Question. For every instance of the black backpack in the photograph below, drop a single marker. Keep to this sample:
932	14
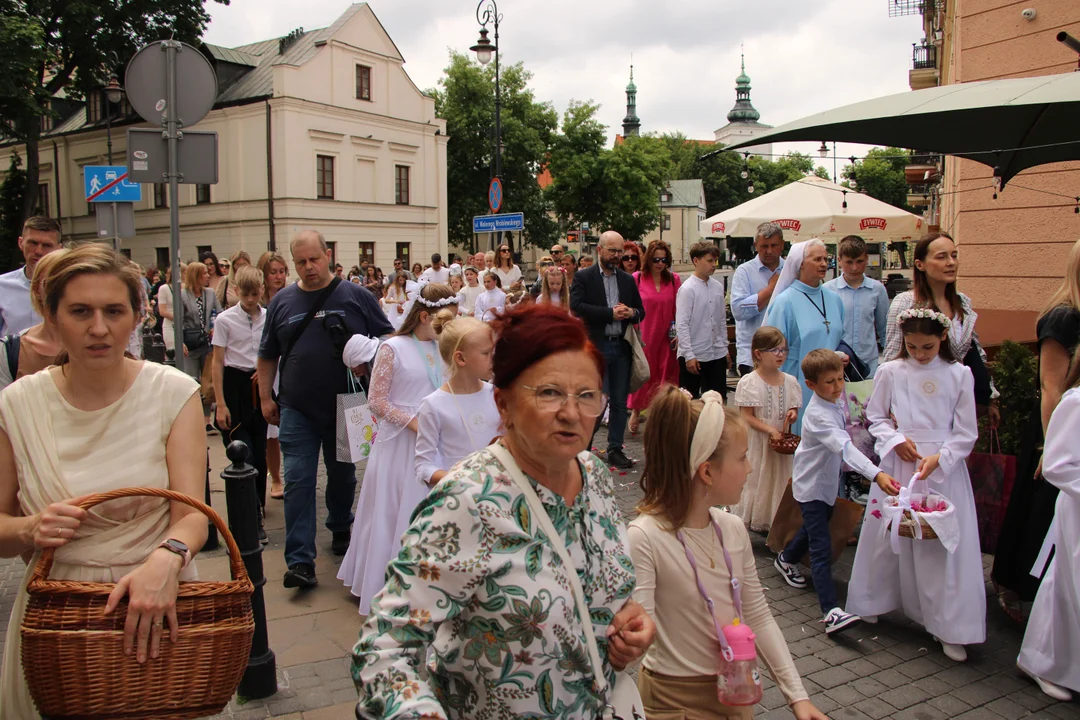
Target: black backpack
11	345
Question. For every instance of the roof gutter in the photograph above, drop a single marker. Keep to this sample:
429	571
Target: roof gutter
272	245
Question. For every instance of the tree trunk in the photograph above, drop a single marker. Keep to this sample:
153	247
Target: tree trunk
33	140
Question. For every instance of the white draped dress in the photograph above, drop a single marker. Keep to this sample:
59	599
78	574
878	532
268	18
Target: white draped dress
934	407
406	371
1051	647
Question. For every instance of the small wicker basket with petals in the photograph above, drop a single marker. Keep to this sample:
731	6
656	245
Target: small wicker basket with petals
907	528
787	444
74	654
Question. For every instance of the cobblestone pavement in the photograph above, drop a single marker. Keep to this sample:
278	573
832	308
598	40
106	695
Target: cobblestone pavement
889	670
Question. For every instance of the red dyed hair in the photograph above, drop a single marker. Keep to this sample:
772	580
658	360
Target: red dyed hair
633	248
529	333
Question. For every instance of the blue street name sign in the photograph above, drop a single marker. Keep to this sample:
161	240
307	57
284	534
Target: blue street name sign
498	223
109	183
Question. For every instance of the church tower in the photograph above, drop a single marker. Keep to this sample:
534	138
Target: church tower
744	121
631	124
744	110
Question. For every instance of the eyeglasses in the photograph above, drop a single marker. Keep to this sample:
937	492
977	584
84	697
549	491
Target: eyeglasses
556	252
628	258
778	351
503	250
550	398
224	266
657	260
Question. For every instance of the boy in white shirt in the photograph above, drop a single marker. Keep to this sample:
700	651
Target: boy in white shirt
701	326
815	482
237	334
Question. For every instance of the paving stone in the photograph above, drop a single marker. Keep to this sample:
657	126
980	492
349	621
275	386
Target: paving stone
839	654
922	711
890	678
905	696
772	698
1007	708
979	693
861	666
1065	711
884	659
979	714
832	677
848	713
869	687
809	664
917	668
823	702
875	707
845	695
949	704
959	676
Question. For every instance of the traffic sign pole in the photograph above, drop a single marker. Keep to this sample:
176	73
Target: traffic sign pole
172	134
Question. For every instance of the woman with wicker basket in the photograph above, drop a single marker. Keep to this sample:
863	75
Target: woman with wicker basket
922	414
100	421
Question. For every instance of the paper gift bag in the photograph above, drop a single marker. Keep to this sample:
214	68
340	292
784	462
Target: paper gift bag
992	477
788	520
856	396
356	425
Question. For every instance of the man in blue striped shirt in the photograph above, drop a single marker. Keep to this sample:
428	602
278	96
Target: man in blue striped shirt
752	288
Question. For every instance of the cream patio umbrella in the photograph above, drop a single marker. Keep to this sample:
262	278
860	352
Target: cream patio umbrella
814	207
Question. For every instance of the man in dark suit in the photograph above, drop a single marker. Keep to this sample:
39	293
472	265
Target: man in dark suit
607	300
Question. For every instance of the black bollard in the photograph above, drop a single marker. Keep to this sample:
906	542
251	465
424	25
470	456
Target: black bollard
153	346
260	678
212	542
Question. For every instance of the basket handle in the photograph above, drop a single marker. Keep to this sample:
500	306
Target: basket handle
236	563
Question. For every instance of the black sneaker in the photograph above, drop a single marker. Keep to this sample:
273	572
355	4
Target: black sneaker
340	544
300	575
617	459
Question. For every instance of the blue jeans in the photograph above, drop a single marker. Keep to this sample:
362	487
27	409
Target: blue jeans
617	360
301	441
814	536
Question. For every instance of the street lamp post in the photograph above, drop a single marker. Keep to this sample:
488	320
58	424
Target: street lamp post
488	12
113	95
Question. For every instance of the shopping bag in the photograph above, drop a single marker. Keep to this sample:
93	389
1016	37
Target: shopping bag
992	477
856	396
639	364
788	519
356	425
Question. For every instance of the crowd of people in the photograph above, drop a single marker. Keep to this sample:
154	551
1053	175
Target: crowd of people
486	542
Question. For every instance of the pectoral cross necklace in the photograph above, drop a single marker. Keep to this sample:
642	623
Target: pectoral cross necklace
822	310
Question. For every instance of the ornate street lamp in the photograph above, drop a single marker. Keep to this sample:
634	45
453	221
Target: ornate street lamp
488	12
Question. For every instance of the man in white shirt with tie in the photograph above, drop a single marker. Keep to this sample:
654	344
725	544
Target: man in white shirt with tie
40	236
701	325
752	288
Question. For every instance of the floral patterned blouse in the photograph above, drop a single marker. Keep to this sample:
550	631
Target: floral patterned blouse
478	591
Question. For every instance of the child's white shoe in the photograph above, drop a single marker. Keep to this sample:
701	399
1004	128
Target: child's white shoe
952	651
1050	689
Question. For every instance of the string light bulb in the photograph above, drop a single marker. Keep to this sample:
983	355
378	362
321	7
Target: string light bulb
844	204
750	188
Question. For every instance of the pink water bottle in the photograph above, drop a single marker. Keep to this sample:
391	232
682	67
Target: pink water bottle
739	682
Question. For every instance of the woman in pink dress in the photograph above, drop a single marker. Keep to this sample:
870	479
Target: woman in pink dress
658	286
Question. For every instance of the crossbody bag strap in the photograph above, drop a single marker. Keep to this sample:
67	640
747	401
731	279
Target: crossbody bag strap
319	302
540	513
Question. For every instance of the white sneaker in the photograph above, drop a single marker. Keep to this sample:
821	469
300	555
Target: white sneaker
790	572
870	619
1050	689
837	620
953	651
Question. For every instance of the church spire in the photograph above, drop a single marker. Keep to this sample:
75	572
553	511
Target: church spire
744	110
631	124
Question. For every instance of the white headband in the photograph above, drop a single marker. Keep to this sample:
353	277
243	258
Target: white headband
452	300
710	428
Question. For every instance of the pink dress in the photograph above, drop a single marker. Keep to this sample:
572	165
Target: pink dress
659	315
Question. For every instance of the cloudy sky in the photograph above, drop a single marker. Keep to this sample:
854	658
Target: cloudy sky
804	56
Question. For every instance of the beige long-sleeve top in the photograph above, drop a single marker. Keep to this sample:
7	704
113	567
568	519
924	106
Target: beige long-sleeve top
686	643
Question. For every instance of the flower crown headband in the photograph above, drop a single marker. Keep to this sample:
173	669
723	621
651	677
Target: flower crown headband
924	314
452	300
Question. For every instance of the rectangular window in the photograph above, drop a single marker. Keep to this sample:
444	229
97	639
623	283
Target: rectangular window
161	195
202	194
667	221
401	184
46	123
162	258
200	249
367	252
126	252
403	253
324	177
95	106
363	82
43	199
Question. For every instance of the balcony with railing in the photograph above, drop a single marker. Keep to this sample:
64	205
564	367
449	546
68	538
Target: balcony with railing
924	66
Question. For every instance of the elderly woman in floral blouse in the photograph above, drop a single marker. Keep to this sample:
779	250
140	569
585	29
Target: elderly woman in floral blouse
478	589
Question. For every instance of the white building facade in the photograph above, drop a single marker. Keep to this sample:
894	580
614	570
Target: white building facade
321	129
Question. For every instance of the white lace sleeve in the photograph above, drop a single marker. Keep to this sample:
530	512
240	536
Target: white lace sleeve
382	378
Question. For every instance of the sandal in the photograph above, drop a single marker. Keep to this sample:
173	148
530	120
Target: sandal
277	490
634	424
1010	603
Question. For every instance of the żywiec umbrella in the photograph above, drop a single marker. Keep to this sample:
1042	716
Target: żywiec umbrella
814	207
1010	125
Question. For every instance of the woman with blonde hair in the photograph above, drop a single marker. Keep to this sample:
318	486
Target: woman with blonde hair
36	347
201	306
113	422
228	293
1031	505
275	274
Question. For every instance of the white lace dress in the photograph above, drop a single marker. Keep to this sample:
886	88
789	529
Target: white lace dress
406	371
769	470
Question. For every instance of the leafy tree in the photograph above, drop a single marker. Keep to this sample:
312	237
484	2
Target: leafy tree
577	192
466	100
881	176
50	46
11	211
634	174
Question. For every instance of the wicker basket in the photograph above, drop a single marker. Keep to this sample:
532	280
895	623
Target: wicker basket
907	527
74	657
786	445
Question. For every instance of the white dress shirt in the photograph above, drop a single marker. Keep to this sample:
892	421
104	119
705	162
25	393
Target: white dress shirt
467	298
431	275
239	334
825	445
866	317
749	279
701	319
489	303
16	313
508	277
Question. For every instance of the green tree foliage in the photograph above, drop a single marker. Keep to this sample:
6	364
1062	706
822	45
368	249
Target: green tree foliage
634	174
11	211
881	176
49	46
1015	371
466	100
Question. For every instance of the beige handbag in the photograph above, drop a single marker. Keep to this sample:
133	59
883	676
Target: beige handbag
639	364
